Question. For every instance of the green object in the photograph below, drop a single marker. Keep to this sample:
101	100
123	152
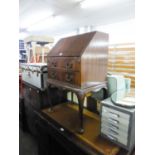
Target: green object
115	82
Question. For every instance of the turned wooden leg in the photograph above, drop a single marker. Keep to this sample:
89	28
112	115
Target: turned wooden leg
81	102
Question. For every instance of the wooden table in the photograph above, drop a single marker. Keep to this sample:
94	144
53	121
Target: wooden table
65	119
81	94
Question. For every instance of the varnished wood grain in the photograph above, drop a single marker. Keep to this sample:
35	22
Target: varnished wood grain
67	116
86	53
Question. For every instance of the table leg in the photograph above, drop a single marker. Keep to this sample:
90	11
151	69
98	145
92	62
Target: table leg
81	102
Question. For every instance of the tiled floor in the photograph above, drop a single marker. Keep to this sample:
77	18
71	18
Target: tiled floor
27	144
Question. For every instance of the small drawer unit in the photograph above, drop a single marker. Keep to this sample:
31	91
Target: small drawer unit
118	124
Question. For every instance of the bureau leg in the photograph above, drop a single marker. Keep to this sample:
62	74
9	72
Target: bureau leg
81	102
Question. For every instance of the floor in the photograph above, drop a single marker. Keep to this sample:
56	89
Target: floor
27	144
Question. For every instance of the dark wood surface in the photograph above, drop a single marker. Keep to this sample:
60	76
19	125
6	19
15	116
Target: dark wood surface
37	98
72	46
67	116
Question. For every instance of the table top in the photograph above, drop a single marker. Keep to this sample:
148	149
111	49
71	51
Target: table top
76	89
67	115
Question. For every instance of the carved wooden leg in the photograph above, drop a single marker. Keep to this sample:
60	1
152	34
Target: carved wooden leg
81	102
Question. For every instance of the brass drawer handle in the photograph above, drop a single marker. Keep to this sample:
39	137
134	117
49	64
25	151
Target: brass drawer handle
54	64
53	75
69	77
69	65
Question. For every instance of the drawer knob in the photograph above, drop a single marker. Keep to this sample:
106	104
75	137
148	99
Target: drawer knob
54	64
62	129
69	65
69	77
53	75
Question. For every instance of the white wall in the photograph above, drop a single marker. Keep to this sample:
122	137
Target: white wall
122	32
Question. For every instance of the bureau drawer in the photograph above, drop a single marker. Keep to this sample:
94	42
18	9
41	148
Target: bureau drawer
72	63
65	76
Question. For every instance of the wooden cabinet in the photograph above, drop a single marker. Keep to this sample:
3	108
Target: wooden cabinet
80	61
35	100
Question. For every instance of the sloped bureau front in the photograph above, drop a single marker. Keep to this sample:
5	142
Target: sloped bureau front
79	61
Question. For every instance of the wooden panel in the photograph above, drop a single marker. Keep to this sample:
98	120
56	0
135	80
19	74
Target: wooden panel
122	61
72	46
94	61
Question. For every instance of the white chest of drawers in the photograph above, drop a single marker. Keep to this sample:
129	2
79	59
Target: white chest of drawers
118	124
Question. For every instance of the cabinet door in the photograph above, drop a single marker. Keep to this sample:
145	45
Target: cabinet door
36	98
31	118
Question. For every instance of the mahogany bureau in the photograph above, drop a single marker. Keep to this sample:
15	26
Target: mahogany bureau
79	64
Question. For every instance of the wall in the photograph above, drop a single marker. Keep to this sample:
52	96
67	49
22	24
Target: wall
121	61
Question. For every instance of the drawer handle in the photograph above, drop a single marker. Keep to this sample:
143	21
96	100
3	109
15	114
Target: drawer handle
112	131
37	72
115	115
111	137
53	75
69	77
113	126
29	74
69	66
113	120
54	64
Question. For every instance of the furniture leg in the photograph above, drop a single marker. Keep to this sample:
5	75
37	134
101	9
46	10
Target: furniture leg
81	102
